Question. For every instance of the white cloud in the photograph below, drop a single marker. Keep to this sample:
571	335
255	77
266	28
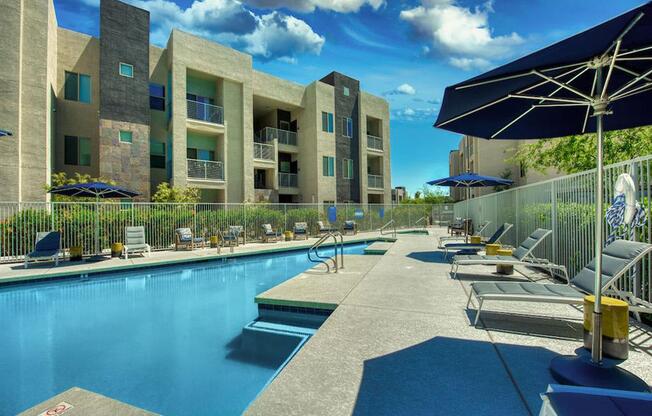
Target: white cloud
412	114
460	33
403	89
270	36
340	6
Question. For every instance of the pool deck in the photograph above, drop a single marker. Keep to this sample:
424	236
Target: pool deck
401	342
12	272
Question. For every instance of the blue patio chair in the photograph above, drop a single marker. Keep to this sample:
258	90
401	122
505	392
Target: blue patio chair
47	247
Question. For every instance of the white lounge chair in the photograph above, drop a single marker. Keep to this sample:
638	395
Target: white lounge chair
450	238
617	258
522	256
135	241
47	247
495	238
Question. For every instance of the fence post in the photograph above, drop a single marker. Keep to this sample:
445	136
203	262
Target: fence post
285	217
553	220
244	207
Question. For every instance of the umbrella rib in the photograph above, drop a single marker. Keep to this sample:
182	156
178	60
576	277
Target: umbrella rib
630	72
635	91
588	109
633	51
613	61
524	74
543	98
562	85
620	37
631	83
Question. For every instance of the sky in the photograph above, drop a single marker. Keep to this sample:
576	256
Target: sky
405	50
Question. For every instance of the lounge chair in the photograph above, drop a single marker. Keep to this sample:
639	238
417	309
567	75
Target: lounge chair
455	225
617	258
184	239
522	256
483	227
561	400
269	234
461	227
349	227
300	230
47	247
135	241
323	229
495	238
232	236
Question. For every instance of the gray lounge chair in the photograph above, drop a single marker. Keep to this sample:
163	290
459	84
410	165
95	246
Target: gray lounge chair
482	228
47	247
349	227
617	258
135	241
185	239
300	230
522	256
233	235
560	400
495	238
269	234
324	229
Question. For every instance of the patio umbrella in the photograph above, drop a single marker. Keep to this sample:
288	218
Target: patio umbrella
469	180
95	190
597	80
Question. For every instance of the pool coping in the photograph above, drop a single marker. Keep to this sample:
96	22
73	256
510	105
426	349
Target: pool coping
17	280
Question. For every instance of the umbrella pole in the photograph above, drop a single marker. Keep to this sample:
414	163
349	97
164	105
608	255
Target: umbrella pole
466	220
596	341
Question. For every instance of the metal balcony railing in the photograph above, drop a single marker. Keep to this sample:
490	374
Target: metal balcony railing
283	136
374	142
288	180
375	181
263	151
205	112
205	170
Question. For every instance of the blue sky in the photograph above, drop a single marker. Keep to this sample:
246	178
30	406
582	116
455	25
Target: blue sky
406	50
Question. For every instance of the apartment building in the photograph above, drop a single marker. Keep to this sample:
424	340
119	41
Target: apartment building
492	158
399	194
194	113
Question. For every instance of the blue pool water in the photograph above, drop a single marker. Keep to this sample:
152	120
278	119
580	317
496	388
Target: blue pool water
165	339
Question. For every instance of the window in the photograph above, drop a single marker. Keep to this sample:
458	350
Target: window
347	168
200	154
77	87
347	127
284	125
327	122
126	70
126	136
77	151
156	154
284	166
328	166
346	91
157	97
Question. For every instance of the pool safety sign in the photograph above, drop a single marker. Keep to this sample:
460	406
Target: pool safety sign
59	409
358	213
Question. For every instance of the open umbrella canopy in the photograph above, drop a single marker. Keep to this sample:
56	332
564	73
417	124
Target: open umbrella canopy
470	180
554	92
93	190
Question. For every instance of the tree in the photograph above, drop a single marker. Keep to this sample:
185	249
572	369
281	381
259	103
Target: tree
166	193
577	153
429	195
507	174
61	178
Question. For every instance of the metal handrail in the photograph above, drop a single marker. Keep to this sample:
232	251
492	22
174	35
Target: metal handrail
390	222
324	260
421	219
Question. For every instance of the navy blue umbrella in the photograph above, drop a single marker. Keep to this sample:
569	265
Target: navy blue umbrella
93	190
469	180
597	80
5	133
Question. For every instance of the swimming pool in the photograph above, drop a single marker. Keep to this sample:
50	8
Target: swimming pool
166	339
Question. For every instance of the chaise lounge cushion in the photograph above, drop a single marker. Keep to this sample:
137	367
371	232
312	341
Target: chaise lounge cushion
185	235
483	257
525	289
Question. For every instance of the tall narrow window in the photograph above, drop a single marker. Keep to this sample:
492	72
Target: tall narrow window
156	154
126	70
77	87
77	151
347	168
346	91
328	166
156	97
327	122
347	127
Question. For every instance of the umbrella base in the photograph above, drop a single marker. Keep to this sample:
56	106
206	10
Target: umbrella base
579	370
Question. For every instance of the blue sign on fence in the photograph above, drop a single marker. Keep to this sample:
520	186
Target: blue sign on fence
358	214
332	214
381	213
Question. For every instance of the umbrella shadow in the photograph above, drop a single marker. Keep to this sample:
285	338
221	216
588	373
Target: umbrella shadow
429	256
451	376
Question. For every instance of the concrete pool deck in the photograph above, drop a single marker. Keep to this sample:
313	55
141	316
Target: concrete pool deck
401	342
13	272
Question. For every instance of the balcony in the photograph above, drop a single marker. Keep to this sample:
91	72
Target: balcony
374	142
263	151
283	136
375	181
208	113
205	170
288	180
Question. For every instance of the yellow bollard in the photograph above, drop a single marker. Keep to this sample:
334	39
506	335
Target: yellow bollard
492	249
476	239
615	326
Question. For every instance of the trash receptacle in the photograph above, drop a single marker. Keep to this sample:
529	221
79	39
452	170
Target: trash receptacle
504	268
615	326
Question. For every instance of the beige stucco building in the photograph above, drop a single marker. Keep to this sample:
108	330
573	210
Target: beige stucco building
492	158
194	113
